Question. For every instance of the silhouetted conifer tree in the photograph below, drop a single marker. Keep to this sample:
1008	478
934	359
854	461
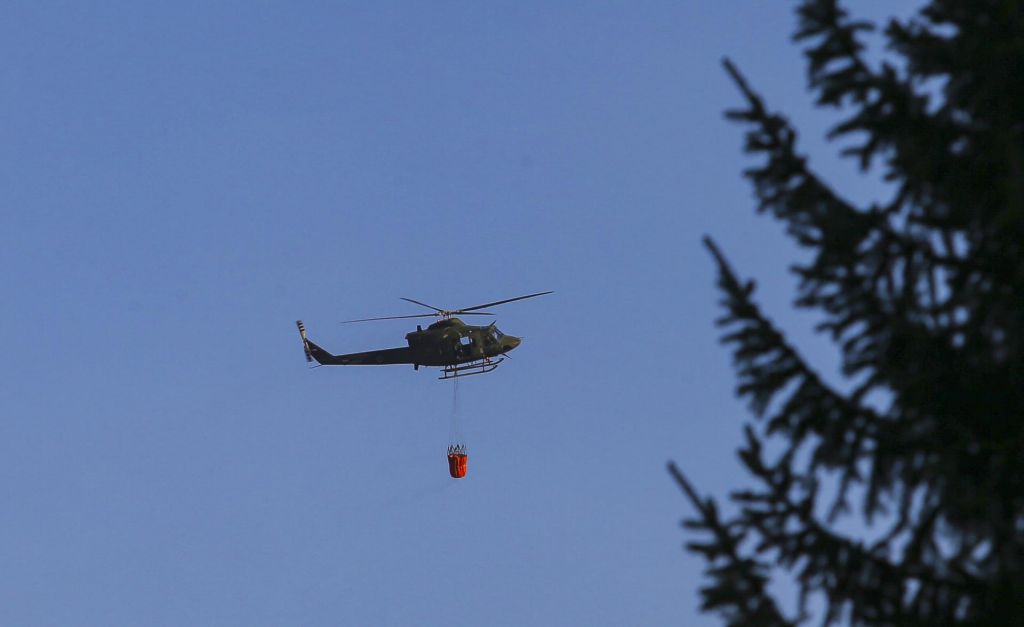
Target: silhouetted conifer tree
923	294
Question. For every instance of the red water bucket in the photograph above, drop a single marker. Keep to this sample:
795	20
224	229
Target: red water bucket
457	465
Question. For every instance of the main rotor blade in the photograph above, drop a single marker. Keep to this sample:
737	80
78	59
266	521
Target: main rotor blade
468	313
499	302
390	318
424	304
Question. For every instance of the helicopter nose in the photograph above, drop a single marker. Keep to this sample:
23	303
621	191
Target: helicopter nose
511	342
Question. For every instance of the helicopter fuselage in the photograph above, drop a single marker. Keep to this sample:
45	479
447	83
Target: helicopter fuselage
451	341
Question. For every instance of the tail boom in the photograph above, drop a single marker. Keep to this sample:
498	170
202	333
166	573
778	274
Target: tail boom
383	357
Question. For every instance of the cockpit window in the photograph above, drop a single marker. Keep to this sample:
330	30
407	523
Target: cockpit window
496	334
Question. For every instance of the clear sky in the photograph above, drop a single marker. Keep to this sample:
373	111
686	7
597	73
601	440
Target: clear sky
180	183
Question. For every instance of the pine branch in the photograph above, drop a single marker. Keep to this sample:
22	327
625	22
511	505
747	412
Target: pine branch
873	284
883	104
844	432
738	591
850	575
767	365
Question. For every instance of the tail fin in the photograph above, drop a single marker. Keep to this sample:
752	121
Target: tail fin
305	341
314	352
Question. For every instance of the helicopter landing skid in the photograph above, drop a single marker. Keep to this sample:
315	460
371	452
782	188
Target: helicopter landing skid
465	370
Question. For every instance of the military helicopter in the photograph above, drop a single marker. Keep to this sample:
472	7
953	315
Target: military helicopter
460	349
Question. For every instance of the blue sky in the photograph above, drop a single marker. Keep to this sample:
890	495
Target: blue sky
181	183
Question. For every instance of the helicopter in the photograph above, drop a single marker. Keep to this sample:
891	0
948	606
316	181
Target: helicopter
460	349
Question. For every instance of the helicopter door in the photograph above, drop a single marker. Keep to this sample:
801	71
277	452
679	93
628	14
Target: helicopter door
465	347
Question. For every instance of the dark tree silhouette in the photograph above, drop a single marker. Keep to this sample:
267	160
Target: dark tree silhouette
923	295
